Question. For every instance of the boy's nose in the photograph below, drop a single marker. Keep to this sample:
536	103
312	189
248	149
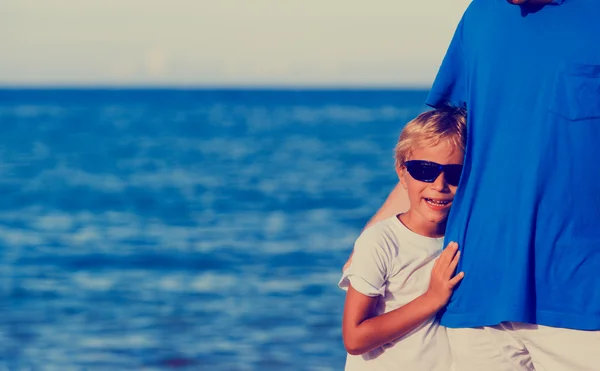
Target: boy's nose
440	184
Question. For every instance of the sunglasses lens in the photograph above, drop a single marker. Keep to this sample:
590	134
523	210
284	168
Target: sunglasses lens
423	171
452	174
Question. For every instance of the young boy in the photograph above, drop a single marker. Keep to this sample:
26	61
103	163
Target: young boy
396	283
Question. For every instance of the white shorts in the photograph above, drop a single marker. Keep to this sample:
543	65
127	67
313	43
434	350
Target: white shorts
514	346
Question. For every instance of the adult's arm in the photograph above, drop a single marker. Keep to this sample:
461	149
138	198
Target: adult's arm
396	203
450	85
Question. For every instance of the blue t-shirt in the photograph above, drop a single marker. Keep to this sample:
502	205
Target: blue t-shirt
527	211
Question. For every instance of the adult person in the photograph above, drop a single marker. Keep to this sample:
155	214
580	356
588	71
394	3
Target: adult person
527	211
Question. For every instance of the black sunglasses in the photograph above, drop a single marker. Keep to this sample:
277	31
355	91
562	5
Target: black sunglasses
427	171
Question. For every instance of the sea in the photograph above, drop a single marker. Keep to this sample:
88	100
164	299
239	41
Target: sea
186	229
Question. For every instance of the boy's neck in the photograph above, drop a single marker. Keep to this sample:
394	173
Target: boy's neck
431	230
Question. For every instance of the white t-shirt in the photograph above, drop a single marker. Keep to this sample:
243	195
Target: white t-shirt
394	263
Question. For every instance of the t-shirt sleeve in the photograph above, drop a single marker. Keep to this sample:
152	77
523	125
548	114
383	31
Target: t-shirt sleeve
450	85
370	265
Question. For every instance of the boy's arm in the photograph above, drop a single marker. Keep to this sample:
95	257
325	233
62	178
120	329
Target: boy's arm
363	332
396	203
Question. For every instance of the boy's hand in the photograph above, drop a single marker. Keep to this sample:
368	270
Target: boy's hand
442	281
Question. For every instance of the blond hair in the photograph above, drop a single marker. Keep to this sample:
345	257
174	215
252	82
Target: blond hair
429	129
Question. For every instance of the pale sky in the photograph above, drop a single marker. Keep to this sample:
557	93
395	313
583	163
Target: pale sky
225	42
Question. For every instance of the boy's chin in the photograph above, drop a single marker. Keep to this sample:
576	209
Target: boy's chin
522	2
439	221
438	217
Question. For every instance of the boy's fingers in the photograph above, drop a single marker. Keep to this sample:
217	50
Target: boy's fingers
452	266
456	279
436	264
448	253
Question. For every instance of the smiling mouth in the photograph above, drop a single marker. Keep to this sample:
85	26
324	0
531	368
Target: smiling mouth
437	203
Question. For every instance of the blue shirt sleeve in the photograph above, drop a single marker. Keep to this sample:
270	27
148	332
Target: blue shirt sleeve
450	85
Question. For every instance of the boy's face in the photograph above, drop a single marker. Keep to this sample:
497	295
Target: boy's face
430	202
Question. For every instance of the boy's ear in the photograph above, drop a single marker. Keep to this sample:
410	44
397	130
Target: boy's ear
402	174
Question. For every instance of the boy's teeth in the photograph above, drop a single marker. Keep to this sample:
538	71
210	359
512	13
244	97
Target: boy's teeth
436	202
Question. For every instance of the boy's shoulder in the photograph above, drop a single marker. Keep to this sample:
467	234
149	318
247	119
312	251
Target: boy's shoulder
377	248
385	233
391	235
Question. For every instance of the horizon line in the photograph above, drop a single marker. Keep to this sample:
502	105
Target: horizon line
257	87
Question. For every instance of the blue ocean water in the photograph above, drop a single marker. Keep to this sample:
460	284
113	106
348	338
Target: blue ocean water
185	229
